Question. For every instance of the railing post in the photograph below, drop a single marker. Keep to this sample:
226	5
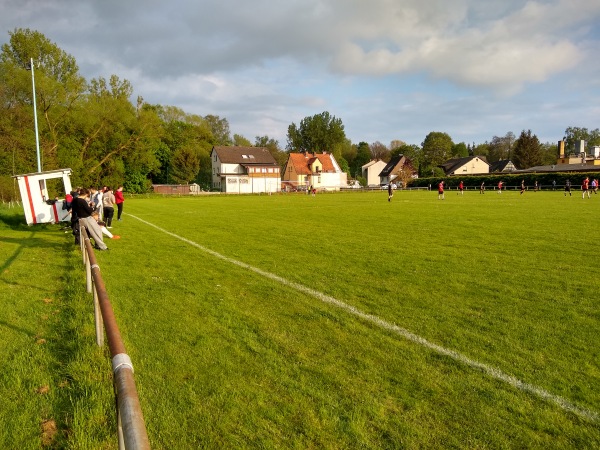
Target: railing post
81	242
98	319
88	274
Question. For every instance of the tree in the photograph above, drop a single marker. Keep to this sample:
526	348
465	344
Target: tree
437	149
460	150
186	164
319	133
379	151
481	149
549	154
396	143
527	152
576	134
220	129
241	141
501	148
406	173
58	89
273	146
363	156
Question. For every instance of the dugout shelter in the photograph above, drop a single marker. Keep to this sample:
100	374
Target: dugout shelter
40	192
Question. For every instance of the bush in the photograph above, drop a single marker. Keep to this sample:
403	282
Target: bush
9	189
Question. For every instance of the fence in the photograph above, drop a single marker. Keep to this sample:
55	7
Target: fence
130	421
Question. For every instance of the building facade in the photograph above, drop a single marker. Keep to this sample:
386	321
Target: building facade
471	165
319	170
244	170
371	170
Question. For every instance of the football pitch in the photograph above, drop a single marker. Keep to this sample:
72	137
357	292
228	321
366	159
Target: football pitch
347	321
344	320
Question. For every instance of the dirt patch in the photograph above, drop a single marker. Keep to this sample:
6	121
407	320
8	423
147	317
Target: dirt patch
49	431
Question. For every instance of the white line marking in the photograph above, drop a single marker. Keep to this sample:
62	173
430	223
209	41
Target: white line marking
493	372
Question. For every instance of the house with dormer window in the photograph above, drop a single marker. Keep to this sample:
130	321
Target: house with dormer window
244	170
319	170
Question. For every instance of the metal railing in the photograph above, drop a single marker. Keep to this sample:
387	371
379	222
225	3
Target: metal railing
130	421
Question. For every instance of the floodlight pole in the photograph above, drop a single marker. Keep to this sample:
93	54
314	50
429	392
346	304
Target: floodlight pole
37	138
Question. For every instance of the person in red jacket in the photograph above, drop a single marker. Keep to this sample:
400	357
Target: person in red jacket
500	184
119	199
441	190
461	187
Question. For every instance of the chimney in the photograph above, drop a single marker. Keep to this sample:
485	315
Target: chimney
561	149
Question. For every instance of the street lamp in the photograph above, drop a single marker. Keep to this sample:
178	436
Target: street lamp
37	139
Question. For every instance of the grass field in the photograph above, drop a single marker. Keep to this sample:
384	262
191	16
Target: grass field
55	383
283	321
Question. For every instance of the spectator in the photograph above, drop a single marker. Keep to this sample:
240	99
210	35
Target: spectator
108	202
119	199
83	209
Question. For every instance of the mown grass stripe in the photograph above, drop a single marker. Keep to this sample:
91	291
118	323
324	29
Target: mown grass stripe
493	372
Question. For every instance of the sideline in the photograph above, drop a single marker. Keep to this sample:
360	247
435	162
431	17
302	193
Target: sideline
493	372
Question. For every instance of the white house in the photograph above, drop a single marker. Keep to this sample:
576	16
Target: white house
319	170
244	170
371	170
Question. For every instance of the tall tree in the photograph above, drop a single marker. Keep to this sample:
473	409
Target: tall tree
186	164
528	151
460	150
319	133
220	129
437	148
273	145
58	88
501	147
241	141
549	153
379	151
363	156
395	143
349	152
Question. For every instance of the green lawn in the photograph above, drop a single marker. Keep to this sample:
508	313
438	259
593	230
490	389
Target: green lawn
228	355
55	384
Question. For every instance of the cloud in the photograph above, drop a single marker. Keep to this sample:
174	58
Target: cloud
528	44
389	68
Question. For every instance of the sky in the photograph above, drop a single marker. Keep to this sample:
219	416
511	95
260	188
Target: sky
389	69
